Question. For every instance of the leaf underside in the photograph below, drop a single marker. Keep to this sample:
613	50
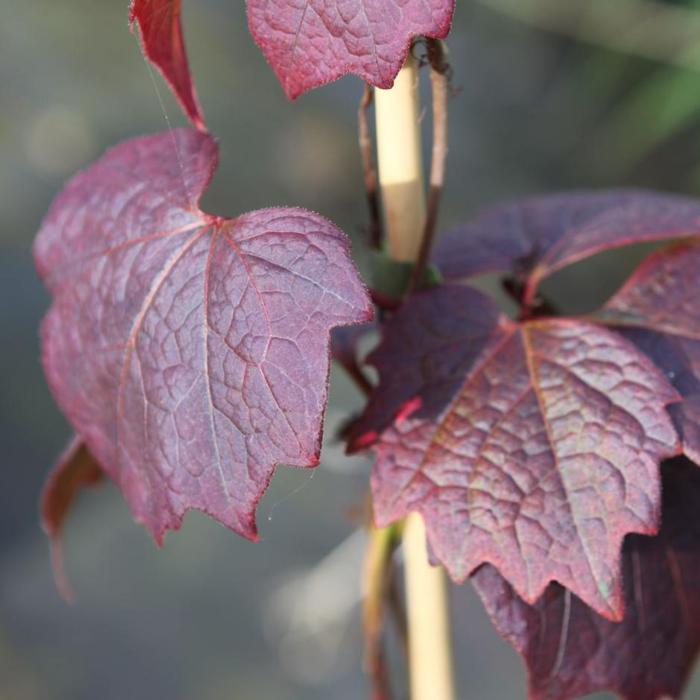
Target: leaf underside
571	651
189	352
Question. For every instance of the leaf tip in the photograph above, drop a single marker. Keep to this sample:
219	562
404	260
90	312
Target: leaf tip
74	470
60	576
163	45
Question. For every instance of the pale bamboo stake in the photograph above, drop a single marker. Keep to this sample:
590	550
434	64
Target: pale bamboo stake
403	195
427	605
370	172
401	163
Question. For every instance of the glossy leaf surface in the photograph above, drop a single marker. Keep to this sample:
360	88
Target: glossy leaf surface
160	27
311	42
659	310
533	238
532	446
571	651
190	352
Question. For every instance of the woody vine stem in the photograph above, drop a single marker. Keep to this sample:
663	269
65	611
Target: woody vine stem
410	226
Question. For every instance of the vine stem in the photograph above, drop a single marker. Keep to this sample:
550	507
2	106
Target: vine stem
370	172
429	647
440	79
377	583
401	182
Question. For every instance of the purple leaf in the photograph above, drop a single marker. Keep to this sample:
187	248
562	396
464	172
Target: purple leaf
531	446
571	651
533	238
659	310
189	351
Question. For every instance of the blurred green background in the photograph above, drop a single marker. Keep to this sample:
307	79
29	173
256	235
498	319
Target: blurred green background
552	94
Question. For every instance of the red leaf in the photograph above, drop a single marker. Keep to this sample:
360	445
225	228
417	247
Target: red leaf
570	651
74	470
533	238
533	446
659	310
311	43
307	44
163	44
190	352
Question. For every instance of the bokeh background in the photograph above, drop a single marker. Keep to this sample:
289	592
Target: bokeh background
552	94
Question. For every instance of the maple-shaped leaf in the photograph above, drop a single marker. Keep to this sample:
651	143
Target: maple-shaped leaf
310	42
160	27
658	308
532	446
74	470
533	238
571	651
190	352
